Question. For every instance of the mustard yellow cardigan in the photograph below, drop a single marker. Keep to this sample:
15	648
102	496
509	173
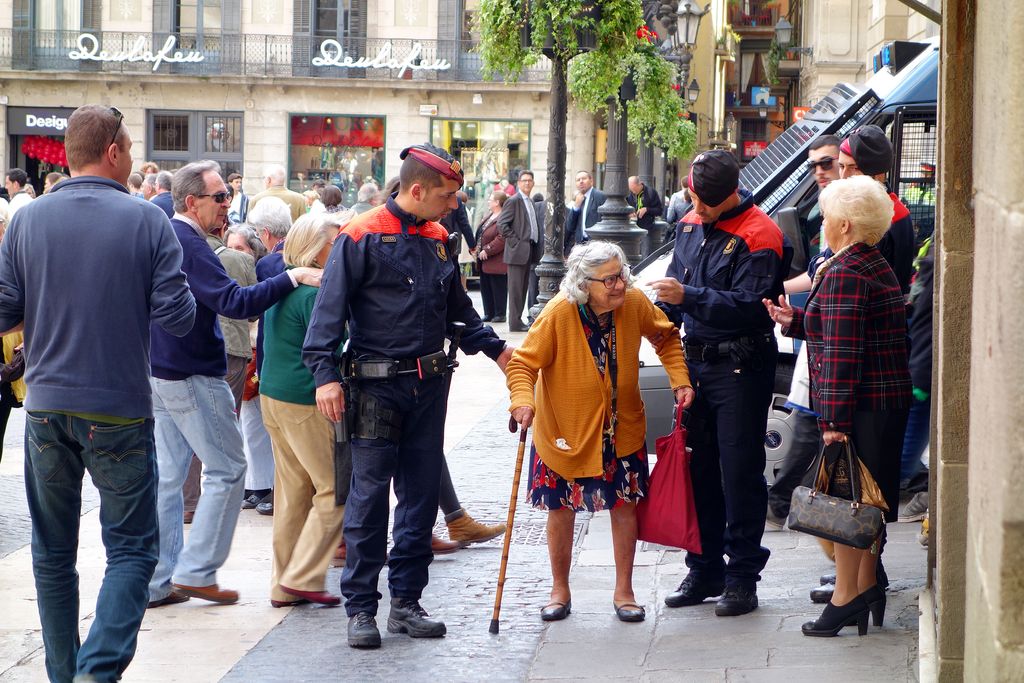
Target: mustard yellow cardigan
9	342
572	402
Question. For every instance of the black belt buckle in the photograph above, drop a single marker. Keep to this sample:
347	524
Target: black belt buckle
432	365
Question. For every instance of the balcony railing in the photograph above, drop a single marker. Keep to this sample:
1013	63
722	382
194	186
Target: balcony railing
747	14
251	55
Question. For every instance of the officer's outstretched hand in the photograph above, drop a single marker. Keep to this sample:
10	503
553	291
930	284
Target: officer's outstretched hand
330	400
782	314
308	276
685	396
668	289
524	416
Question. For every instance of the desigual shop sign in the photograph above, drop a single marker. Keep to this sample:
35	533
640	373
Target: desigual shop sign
37	120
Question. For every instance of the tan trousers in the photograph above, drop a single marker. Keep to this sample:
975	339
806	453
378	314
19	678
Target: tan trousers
307	523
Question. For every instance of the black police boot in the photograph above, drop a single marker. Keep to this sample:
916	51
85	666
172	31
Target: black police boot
736	600
822	594
362	631
408	617
693	591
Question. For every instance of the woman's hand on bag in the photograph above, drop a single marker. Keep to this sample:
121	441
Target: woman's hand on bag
782	314
523	415
833	437
685	396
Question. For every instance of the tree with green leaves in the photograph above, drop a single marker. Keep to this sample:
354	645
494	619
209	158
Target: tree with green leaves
593	47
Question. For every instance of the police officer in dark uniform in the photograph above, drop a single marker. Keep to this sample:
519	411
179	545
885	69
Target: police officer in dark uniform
393	282
728	256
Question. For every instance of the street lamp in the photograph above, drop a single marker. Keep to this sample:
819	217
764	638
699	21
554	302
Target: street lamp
784	35
693	91
687	23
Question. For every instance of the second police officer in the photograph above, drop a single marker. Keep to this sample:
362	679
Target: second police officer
392	282
728	256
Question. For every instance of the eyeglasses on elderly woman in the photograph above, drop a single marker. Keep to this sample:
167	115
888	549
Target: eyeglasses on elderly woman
612	280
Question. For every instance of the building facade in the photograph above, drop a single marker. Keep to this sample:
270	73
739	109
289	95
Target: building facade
331	89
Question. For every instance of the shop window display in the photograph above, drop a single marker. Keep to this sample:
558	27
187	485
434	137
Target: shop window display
492	154
345	151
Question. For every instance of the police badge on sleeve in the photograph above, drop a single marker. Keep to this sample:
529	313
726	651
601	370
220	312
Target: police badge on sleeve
442	253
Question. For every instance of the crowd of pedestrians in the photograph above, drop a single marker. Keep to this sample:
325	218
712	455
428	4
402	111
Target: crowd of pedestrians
284	353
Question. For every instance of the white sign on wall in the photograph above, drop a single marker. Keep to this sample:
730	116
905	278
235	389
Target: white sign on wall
89	50
332	54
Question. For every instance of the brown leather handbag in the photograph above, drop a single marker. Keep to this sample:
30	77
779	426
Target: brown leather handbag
854	520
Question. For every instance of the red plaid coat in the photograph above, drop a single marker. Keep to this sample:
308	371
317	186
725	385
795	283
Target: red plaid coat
856	331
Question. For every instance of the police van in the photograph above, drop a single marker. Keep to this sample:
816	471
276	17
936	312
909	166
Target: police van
900	98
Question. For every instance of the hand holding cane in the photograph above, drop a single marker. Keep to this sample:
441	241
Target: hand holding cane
508	524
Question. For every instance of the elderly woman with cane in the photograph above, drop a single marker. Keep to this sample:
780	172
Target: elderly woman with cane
575	379
855	327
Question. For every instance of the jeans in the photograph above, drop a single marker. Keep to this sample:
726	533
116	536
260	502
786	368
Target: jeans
122	463
196	415
258	452
915	440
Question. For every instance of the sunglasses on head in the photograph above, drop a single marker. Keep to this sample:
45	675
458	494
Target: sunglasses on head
218	197
117	127
824	162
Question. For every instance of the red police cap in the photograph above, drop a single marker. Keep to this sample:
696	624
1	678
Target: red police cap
436	159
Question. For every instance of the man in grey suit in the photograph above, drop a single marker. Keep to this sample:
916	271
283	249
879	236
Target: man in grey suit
521	223
583	214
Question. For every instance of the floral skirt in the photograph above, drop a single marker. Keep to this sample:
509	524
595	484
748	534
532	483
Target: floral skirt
624	481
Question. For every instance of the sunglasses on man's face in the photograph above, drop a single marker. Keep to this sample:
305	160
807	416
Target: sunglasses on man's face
117	128
824	162
218	197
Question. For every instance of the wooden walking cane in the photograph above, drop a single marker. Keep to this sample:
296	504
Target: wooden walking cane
508	523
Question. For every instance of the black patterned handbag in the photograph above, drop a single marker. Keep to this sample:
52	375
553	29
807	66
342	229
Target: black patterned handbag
847	520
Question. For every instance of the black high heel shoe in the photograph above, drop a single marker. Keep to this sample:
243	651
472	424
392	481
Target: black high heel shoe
833	619
875	597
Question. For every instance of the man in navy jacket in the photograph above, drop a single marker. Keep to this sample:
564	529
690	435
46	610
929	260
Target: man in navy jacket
193	404
86	269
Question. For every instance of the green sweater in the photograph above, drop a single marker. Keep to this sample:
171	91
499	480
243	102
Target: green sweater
284	377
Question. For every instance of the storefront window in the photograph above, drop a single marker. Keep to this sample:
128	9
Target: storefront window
346	151
176	138
491	153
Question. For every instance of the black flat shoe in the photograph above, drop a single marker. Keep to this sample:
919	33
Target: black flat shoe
834	619
875	597
827	579
498	319
556	611
629	612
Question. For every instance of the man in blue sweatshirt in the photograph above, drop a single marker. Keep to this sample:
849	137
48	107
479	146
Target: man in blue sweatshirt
193	405
86	270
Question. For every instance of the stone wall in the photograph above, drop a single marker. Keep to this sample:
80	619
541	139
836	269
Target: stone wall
994	646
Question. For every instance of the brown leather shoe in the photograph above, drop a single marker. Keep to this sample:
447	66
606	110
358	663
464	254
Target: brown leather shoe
319	597
439	546
466	530
214	593
172	598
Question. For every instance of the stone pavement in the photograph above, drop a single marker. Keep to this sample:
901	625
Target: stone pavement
692	644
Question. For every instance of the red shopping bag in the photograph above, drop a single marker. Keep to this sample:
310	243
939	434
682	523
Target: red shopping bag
668	515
